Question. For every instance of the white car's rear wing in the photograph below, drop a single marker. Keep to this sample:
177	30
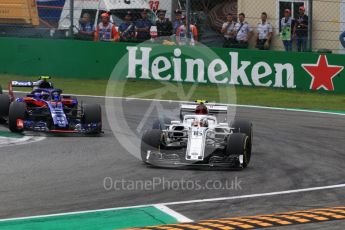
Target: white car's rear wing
212	108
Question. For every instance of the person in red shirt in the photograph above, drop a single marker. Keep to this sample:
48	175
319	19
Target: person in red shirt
106	31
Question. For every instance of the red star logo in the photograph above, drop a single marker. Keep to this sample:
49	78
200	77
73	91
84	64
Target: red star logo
322	73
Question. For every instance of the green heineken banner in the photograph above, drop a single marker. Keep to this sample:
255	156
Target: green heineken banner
305	71
190	64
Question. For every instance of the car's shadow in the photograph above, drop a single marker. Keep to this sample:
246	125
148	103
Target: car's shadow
4	126
195	168
61	135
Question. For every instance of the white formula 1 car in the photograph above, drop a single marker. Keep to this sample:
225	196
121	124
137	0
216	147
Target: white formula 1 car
198	139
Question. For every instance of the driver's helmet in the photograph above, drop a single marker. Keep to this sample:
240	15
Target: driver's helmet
56	96
201	109
43	84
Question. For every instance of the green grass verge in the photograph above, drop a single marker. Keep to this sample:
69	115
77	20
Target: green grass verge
245	95
100	220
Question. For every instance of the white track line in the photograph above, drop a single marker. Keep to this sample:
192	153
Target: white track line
257	195
188	202
236	105
178	216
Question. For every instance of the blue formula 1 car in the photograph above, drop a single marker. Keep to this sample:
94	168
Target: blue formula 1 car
46	109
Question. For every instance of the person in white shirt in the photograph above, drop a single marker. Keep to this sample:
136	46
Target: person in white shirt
243	32
228	29
264	33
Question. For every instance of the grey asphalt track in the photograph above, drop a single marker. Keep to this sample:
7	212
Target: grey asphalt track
292	150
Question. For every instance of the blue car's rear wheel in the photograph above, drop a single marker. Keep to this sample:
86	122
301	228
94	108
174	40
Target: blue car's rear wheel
4	105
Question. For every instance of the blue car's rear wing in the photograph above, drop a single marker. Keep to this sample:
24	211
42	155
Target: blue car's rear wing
24	84
28	84
19	84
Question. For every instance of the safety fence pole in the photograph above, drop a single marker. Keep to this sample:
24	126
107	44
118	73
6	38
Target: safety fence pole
188	15
71	28
310	25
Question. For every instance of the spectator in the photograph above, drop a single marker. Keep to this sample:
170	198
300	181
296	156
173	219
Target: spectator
164	26
301	30
142	27
228	29
342	39
264	33
286	24
106	31
181	34
86	29
127	29
242	32
178	21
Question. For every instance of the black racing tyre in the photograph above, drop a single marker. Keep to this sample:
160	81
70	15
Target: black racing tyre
161	123
4	105
238	144
151	140
244	126
17	111
0	89
93	114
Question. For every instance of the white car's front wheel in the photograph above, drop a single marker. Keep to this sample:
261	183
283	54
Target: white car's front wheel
238	145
